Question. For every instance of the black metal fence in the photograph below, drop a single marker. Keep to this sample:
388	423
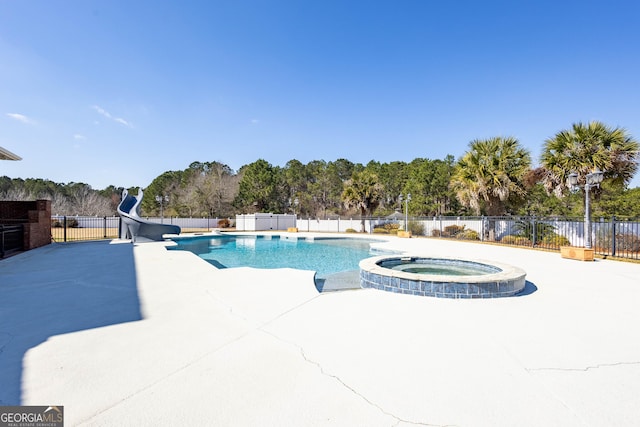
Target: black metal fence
11	239
609	236
76	228
66	228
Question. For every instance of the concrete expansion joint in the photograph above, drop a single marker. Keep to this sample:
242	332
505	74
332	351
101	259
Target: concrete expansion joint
586	368
360	395
227	306
162	378
348	387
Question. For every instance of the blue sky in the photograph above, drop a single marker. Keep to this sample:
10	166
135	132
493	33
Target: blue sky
117	92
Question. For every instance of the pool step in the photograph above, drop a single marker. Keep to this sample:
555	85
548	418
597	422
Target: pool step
339	281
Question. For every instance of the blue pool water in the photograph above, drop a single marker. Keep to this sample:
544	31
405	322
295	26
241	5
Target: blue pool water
326	256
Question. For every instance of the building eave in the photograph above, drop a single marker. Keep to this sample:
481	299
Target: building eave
8	155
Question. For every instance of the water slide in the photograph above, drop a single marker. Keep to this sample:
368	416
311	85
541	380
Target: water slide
129	211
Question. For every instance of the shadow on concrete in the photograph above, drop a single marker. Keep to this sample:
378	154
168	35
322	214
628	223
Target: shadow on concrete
319	282
529	288
59	289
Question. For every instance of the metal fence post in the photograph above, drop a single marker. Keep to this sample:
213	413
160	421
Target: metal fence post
64	225
613	235
534	234
104	227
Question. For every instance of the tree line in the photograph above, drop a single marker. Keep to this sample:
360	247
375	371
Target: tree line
494	177
74	198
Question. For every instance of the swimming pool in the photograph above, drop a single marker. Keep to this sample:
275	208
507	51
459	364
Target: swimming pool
325	256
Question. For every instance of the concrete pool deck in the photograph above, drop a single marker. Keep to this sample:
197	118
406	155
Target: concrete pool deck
124	334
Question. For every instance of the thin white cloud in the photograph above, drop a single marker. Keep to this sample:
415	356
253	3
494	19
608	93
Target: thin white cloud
102	111
255	121
108	115
20	117
79	137
122	121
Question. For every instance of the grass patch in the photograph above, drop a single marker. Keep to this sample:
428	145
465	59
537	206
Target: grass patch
80	234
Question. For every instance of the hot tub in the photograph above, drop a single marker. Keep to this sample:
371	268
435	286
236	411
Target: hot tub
441	277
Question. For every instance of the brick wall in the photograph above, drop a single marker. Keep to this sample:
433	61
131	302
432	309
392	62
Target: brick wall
35	216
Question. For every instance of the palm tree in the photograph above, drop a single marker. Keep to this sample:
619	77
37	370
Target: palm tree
490	173
585	148
362	192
